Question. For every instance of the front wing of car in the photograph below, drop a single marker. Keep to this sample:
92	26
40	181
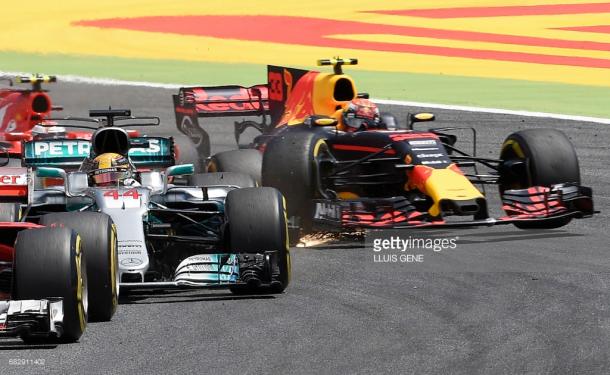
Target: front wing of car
535	204
31	317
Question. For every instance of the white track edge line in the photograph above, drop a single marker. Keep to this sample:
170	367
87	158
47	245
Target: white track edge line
117	82
103	81
500	111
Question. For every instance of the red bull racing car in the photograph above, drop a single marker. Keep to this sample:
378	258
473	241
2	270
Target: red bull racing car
342	164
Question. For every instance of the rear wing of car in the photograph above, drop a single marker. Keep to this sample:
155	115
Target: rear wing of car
218	101
146	152
234	100
225	100
191	103
264	100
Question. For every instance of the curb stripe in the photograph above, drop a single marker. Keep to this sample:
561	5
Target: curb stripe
502	11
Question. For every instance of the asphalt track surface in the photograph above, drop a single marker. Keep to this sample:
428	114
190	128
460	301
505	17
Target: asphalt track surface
343	313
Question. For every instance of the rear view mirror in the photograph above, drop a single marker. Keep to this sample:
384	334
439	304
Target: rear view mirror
78	182
177	170
153	179
180	170
320	121
326	122
419	117
50	172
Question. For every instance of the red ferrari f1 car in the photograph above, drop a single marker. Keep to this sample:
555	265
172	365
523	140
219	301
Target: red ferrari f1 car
21	110
342	164
48	289
25	115
43	283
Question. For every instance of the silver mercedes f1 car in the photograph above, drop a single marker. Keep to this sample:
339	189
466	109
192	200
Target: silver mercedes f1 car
218	230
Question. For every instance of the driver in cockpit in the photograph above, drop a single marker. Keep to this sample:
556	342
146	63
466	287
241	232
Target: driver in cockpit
110	169
360	114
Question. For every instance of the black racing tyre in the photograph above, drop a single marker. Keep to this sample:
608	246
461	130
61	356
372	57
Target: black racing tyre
289	166
550	158
49	263
222	178
99	238
256	222
247	161
10	212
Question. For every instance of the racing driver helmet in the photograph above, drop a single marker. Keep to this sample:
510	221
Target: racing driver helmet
109	169
360	114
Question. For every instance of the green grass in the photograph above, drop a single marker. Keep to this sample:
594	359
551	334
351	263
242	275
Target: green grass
482	92
493	93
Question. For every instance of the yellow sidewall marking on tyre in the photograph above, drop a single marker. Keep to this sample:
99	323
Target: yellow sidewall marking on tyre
287	244
316	148
212	167
80	285
113	265
516	148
